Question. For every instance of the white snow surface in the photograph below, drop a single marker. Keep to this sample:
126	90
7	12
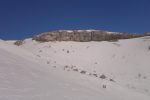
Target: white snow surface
46	71
70	31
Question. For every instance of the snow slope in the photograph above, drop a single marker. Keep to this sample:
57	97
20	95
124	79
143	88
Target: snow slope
125	61
46	71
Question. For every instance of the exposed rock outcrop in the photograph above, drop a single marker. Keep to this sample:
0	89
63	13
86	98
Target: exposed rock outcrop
19	42
83	36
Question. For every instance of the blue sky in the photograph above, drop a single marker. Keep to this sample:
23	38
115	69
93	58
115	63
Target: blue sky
24	18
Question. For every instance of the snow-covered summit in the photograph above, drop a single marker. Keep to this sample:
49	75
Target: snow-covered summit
86	30
61	70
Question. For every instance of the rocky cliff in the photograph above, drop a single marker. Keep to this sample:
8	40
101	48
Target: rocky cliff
82	36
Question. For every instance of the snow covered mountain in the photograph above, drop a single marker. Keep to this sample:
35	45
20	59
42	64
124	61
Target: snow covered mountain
69	70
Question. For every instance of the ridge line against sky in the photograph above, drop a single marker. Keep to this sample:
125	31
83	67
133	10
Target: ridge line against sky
24	18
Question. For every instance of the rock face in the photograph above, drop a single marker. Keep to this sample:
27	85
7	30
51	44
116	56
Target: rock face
82	36
147	33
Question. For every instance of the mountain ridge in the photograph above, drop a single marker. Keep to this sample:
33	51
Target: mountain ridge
71	70
84	35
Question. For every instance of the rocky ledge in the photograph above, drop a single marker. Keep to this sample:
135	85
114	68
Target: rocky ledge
83	36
